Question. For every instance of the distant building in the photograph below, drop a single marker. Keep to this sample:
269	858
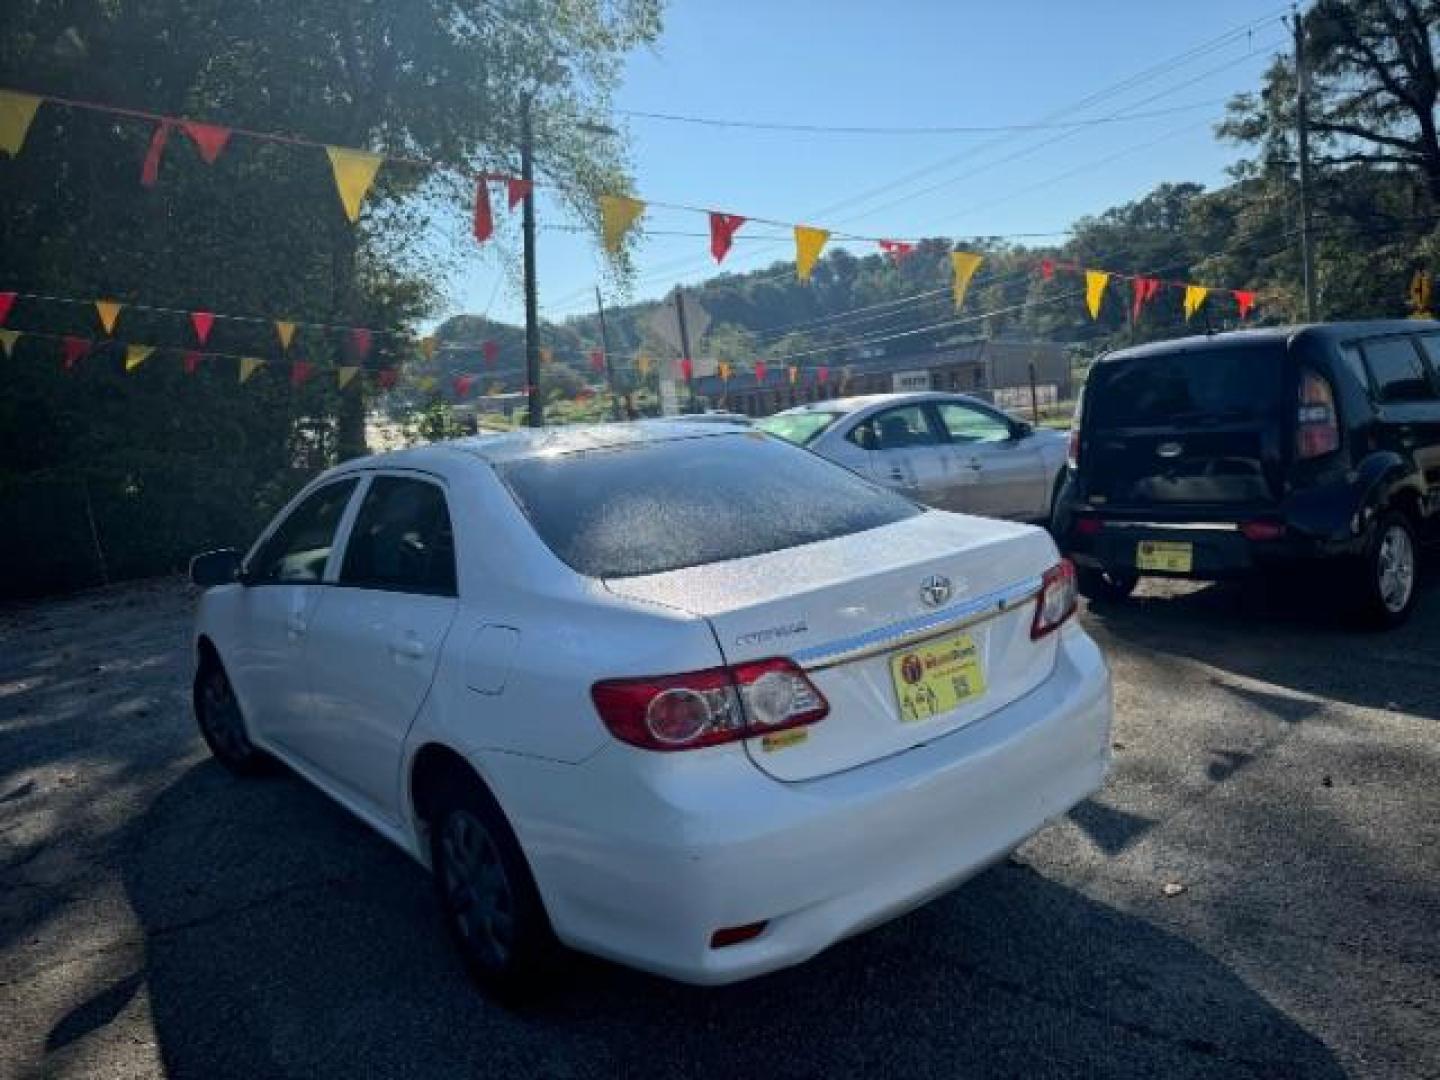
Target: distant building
997	370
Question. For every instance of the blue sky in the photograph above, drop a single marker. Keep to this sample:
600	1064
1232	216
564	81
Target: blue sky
909	63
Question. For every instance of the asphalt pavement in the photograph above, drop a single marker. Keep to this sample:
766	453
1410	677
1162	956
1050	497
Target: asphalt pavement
1255	893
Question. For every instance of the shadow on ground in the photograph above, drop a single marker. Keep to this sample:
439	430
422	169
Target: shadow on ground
1294	637
283	938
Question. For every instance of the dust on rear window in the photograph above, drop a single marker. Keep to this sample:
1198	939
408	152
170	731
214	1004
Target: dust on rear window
1201	386
651	507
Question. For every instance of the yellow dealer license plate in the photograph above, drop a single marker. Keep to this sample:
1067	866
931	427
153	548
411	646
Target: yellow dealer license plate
933	678
1163	555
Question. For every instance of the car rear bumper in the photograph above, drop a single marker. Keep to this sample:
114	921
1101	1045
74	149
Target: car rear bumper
1219	549
710	842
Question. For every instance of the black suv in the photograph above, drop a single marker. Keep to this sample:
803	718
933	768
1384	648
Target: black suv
1216	456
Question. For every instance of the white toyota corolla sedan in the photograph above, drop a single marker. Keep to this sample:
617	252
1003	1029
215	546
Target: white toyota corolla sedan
681	695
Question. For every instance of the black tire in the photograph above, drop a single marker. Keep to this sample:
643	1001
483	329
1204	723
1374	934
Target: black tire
487	895
222	724
1107	586
1385	583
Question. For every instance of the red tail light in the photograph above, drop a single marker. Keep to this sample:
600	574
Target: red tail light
1072	452
1088	525
1262	530
1059	594
1317	431
706	708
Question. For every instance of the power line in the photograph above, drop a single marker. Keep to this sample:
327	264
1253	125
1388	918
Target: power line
961	129
1244	31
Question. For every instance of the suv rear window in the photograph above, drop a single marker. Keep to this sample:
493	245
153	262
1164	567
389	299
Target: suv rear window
1204	385
650	507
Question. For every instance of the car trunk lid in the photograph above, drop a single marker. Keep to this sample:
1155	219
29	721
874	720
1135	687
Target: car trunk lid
849	610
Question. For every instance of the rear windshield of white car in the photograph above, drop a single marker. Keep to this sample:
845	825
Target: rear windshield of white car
655	506
798	428
1189	387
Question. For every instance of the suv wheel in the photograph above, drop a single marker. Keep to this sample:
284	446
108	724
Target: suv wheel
1107	586
491	905
1389	571
222	724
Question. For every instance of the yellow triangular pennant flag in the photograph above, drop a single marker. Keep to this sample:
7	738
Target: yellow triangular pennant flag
109	312
617	214
495	388
354	173
724	369
547	355
964	264
8	339
248	366
794	374
1095	282
135	355
344	374
427	346
426	383
16	112
642	364
1194	297
286	330
808	243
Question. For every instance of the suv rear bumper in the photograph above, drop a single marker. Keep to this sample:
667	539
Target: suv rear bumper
1219	547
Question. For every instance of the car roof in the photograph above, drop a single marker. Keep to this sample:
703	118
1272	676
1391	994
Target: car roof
864	401
1237	339
537	442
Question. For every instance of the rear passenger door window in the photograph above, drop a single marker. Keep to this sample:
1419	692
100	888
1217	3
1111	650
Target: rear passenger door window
1396	370
402	540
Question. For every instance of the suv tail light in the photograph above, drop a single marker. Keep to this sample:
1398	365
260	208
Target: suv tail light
1058	596
706	708
1317	430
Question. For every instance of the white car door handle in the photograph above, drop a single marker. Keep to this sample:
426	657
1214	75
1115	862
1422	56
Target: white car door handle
409	647
295	624
975	464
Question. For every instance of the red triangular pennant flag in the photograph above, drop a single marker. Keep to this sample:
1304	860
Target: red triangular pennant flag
360	343
760	370
597	360
1144	290
462	385
1047	268
896	249
150	171
823	375
192	360
386	377
7	301
722	232
516	189
484	220
687	369
1245	298
202	321
74	349
491	351
300	370
209	139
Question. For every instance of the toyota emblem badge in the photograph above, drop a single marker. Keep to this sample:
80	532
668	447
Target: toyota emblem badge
935	590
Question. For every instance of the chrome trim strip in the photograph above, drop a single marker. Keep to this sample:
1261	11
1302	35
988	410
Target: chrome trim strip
909	631
1188	526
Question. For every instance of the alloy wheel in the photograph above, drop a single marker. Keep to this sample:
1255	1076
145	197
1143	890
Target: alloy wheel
1395	569
477	889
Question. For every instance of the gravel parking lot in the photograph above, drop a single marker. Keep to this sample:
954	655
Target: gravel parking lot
1256	892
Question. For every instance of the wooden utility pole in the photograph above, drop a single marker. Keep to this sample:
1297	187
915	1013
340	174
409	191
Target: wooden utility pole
605	355
1302	125
685	346
536	412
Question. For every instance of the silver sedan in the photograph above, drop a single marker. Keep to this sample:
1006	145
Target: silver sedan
947	450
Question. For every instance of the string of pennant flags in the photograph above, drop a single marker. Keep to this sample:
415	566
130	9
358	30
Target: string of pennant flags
354	172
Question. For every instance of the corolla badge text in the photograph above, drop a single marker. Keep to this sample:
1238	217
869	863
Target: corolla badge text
772	633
